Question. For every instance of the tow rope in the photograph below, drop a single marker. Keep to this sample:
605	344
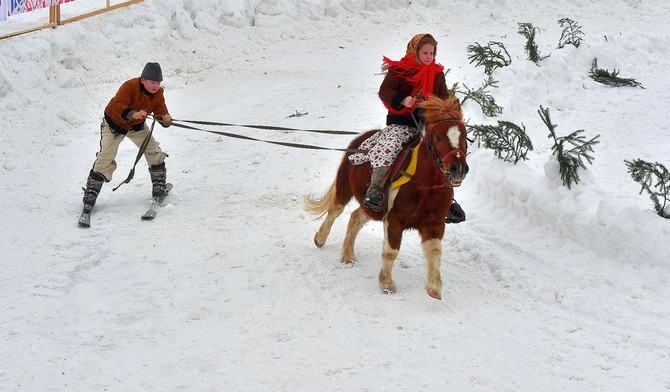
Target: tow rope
267	127
140	152
178	123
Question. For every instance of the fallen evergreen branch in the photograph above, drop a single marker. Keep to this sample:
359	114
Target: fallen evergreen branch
655	179
481	95
572	33
492	56
605	77
297	114
570	159
455	89
532	51
508	140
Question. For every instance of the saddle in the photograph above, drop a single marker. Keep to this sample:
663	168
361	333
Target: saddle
404	165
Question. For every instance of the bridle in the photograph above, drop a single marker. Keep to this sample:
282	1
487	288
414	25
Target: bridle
439	161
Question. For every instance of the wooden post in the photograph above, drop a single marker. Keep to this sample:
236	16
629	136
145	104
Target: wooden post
54	15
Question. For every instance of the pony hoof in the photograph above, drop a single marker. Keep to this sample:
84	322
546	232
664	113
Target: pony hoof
434	293
319	244
388	289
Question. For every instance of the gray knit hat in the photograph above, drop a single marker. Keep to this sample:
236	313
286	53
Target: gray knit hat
152	71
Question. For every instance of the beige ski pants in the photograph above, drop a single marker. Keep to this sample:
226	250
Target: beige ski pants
105	162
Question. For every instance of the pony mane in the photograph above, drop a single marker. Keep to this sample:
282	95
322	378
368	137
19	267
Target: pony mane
436	108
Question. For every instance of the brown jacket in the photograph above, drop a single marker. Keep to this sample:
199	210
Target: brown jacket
395	88
132	96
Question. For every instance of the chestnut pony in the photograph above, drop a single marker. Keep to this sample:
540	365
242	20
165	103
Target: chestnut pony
421	204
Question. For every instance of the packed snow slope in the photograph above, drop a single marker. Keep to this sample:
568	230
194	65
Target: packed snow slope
546	288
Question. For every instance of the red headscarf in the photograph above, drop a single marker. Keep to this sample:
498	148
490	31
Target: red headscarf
420	76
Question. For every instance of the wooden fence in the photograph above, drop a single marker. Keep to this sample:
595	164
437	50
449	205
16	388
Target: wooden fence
55	18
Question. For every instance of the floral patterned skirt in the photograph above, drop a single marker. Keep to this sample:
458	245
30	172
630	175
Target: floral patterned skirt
384	146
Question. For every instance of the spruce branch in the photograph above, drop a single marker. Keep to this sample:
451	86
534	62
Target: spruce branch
572	33
605	77
508	140
297	114
481	95
455	89
532	51
570	159
655	179
492	56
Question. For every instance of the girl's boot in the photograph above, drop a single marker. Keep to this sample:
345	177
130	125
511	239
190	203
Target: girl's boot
375	194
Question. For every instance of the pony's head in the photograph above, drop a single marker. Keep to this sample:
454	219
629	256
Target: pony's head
445	137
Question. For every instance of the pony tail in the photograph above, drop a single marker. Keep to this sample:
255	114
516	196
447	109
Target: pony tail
319	206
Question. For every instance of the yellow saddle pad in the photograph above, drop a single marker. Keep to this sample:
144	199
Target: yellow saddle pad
406	175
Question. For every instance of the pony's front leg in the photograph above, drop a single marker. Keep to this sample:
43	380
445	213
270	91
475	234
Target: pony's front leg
324	231
432	250
357	220
390	252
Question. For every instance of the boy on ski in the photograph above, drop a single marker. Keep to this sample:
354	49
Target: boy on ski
125	116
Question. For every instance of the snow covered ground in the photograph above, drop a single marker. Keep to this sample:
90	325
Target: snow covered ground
546	288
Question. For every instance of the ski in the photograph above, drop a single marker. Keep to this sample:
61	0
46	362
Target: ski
156	204
85	217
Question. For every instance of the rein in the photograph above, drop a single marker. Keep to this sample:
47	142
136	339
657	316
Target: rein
176	123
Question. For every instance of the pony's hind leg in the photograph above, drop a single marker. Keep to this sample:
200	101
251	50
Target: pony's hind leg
324	231
357	220
328	205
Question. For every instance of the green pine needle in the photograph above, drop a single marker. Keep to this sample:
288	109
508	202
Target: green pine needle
572	33
508	140
610	78
531	48
570	159
492	56
482	96
655	179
